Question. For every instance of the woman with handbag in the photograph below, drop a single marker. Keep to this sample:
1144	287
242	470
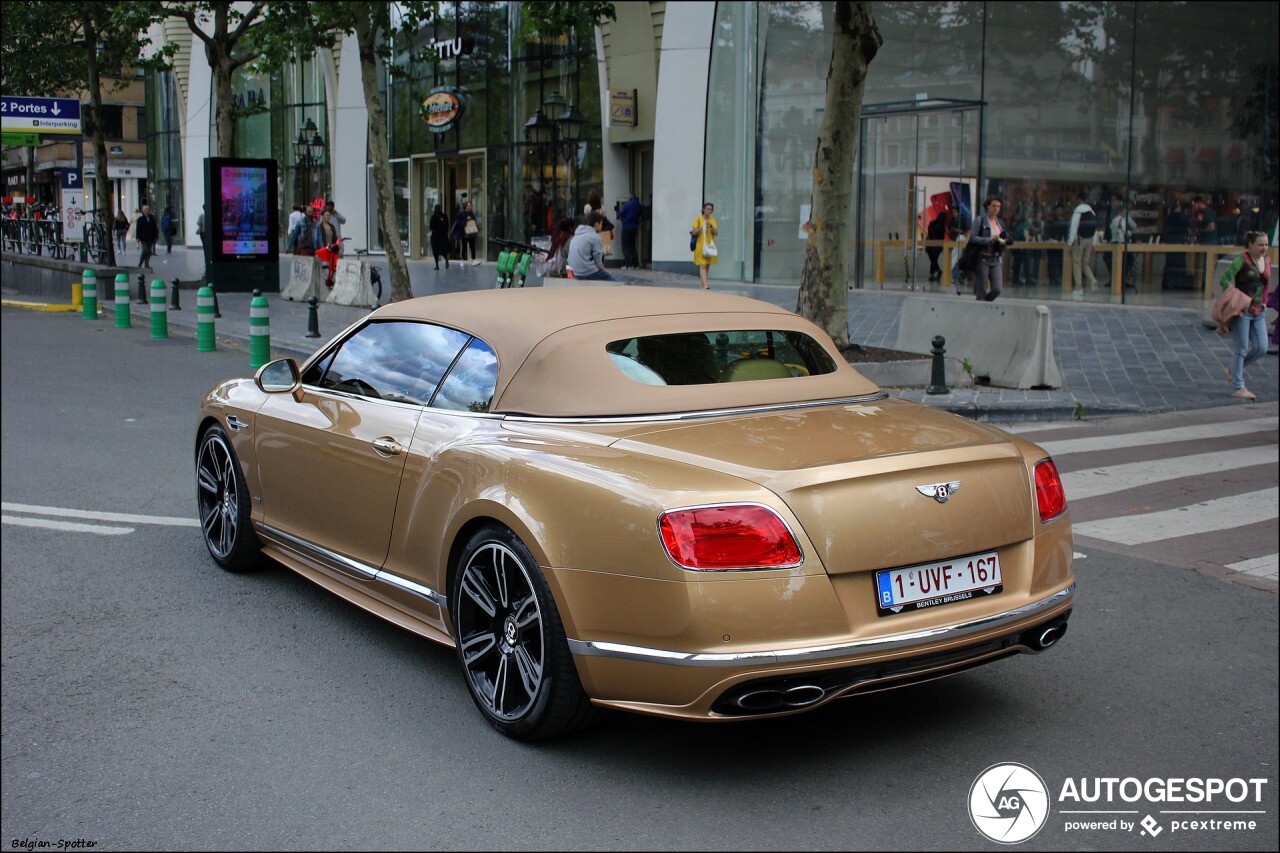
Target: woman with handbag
1250	275
466	229
990	235
702	242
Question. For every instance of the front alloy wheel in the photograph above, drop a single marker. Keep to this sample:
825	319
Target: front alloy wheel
511	642
223	500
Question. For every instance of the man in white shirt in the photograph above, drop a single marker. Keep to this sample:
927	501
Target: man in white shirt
1081	237
297	220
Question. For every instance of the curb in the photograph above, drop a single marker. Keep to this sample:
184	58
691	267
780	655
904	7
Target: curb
38	306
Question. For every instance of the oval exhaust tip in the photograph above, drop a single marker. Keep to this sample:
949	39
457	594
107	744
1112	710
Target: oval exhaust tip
1048	637
803	695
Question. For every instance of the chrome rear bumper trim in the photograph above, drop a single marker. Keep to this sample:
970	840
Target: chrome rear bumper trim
813	653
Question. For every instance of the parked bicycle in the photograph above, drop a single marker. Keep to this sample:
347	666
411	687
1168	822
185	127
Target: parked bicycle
514	261
96	236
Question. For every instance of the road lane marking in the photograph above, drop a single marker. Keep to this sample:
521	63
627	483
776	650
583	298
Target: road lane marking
1262	567
72	526
100	516
1205	517
1116	478
1159	436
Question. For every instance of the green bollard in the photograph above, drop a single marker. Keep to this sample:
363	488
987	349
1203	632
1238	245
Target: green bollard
205	336
123	320
259	331
89	295
159	310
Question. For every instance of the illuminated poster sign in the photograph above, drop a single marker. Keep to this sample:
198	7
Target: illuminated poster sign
442	109
243	209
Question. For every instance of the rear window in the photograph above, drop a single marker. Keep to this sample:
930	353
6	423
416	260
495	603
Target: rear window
704	358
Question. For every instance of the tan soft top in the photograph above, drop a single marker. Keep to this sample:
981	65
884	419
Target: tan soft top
552	361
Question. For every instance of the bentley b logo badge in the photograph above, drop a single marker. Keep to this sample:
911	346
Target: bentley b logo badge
939	491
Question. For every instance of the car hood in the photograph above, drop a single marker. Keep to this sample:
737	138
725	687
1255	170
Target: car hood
850	473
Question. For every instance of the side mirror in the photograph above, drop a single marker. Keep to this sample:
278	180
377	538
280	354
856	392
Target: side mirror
279	376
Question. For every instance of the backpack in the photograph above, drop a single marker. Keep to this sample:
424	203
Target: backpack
1088	225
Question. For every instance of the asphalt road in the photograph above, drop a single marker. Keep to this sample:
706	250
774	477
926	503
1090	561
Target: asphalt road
152	701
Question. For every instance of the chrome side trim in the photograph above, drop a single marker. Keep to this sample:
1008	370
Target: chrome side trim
812	653
709	413
348	566
236	424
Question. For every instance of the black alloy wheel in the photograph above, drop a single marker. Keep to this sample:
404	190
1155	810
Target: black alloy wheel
223	500
511	642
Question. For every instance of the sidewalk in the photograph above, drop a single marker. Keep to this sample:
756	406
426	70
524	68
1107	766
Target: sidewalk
1114	359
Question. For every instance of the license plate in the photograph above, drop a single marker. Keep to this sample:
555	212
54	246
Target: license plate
935	584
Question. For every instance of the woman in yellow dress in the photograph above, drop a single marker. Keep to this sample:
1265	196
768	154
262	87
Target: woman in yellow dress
705	230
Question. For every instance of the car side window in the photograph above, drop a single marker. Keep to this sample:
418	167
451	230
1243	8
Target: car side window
396	360
470	384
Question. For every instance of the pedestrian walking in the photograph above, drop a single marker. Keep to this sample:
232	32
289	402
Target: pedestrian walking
121	227
1080	237
168	228
297	223
937	231
438	228
703	243
132	233
586	250
991	237
1250	273
630	215
1121	233
148	233
465	230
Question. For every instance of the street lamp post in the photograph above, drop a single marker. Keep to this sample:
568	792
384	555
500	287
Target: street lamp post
559	135
309	153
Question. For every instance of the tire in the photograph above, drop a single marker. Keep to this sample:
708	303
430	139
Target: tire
223	500
511	643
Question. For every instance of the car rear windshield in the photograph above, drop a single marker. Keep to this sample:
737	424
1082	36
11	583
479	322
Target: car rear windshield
703	358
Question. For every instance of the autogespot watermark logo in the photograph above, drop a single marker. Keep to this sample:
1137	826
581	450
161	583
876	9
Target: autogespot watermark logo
1008	803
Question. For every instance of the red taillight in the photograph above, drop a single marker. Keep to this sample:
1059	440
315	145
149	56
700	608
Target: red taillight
717	538
1050	497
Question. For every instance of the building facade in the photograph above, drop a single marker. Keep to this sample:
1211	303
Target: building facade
1167	109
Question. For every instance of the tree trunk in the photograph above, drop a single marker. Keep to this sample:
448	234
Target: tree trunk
824	297
101	180
367	39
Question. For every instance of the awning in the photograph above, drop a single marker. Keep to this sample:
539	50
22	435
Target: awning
1234	155
1208	154
1174	155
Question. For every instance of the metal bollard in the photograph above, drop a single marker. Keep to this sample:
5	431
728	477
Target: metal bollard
313	318
89	295
123	320
175	304
205	334
142	290
217	312
159	311
259	331
938	376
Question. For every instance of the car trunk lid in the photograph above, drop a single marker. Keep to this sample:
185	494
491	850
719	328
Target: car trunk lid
861	479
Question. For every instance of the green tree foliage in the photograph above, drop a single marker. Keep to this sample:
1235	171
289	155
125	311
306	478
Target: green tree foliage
292	29
223	27
76	49
548	19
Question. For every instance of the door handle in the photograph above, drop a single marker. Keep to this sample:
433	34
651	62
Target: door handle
387	446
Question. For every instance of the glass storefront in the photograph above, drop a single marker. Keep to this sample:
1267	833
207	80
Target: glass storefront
517	187
1163	108
164	146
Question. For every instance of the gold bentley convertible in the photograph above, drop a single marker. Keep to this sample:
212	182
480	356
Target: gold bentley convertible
666	501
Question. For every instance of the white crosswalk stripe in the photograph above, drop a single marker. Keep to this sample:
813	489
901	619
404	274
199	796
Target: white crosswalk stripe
1203	517
1137	488
1114	478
